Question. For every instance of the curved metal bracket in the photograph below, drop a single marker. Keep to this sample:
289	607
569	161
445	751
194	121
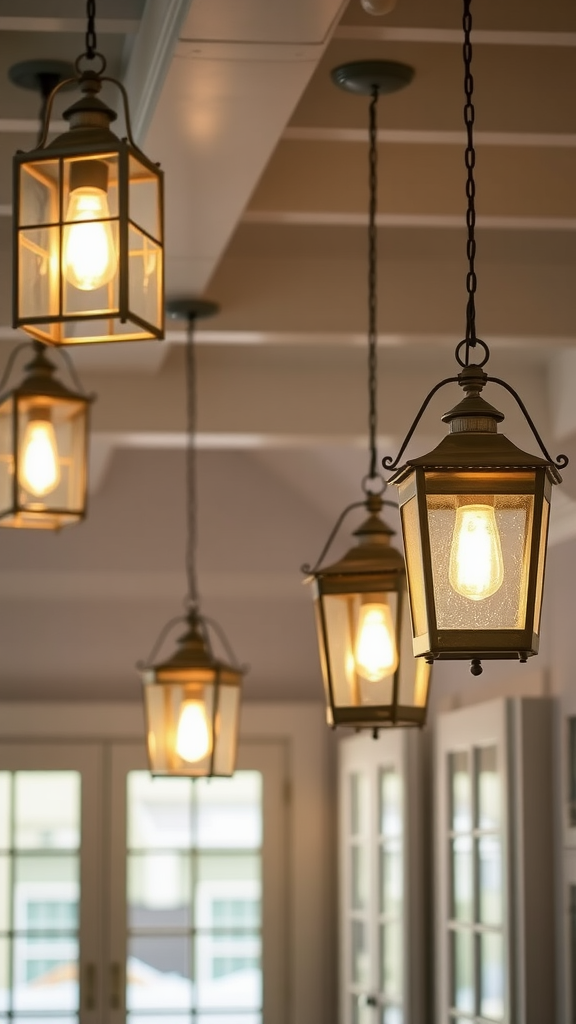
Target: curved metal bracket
69	81
388	462
143	665
311	570
561	461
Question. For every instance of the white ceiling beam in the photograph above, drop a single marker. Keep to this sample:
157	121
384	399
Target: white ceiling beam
409	136
317	218
489	37
106	26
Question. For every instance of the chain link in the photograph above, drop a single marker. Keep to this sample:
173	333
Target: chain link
91	43
372	280
470	162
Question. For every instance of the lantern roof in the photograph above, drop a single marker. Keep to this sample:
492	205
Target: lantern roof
372	554
193	651
40	380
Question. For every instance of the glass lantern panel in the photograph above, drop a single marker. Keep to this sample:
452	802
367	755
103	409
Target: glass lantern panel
51	454
362	650
541	564
145	277
414	673
38	262
90	271
90	187
226	729
414	566
144	198
479	546
39	193
179	718
6	455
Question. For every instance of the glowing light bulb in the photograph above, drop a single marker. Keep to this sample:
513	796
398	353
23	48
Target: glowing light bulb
375	649
476	568
90	258
39	464
192	734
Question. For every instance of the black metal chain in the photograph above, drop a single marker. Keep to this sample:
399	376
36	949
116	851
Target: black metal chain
372	281
470	162
191	465
91	43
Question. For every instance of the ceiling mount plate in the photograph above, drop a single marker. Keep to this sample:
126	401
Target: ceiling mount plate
191	309
41	75
364	76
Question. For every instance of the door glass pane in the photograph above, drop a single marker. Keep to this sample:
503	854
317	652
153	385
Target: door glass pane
39	893
390	803
462	879
359	878
462	970
488	788
391	880
392	1015
492	976
359	804
195	897
460	792
490	879
391	959
360	962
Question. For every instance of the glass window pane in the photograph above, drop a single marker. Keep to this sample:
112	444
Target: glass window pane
391	879
359	878
359	804
4	974
159	890
4	893
45	878
47	810
462	971
228	812
492	976
4	811
228	971
360	962
460	792
158	973
159	812
390	803
392	1015
490	879
45	973
488	788
391	958
462	879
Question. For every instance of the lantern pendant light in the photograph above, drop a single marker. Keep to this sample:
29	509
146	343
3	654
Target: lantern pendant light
371	678
43	446
192	699
88	224
475	510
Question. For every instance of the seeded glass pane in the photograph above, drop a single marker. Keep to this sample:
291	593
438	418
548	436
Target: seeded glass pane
492	976
159	973
4	893
228	812
391	959
360	964
391	878
359	804
45	973
159	887
462	971
541	564
414	564
488	788
392	1015
490	879
390	803
4	811
460	792
359	878
47	810
228	971
4	974
159	812
462	879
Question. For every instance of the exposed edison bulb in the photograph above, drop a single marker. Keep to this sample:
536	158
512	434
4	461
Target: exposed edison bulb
192	734
90	257
377	7
39	463
476	567
375	650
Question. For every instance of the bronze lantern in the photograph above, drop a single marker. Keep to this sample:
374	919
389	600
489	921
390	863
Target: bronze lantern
88	228
43	449
371	678
192	709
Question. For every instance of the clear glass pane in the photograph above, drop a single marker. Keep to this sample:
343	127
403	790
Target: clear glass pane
359	878
228	812
359	804
4	893
462	970
5	808
4	974
145	277
159	890
414	564
360	962
39	188
158	973
490	880
390	803
91	270
462	879
47	810
391	879
460	792
45	973
238	874
228	971
40	881
541	564
488	788
492	976
159	812
144	197
38	294
391	959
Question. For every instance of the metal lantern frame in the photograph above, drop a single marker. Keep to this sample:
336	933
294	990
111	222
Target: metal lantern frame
504	488
39	391
372	572
193	674
130	304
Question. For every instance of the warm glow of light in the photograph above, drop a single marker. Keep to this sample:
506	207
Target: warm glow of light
39	465
375	649
476	568
192	734
90	257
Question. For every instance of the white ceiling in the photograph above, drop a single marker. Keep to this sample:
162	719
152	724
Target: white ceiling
265	164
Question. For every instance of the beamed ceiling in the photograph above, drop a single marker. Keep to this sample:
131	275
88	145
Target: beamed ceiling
266	191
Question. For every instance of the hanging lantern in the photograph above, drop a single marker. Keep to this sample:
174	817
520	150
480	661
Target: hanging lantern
475	510
43	448
371	678
88	226
192	700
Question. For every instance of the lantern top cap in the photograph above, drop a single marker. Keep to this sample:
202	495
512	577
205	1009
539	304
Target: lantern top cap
373	552
193	650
